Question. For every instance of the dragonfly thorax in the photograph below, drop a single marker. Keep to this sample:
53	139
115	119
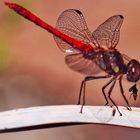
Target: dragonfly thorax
111	62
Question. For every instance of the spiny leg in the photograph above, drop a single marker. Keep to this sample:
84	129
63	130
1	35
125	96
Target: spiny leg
103	89
109	94
122	92
83	86
87	78
81	90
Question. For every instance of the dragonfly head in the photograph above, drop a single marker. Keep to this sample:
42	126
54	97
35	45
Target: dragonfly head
133	71
133	75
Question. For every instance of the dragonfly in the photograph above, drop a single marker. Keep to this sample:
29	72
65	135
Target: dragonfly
89	52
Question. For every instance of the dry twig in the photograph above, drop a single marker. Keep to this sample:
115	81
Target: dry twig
63	115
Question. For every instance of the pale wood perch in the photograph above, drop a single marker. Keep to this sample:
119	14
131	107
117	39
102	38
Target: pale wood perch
63	115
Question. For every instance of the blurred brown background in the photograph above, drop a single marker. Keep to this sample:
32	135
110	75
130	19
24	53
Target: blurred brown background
33	71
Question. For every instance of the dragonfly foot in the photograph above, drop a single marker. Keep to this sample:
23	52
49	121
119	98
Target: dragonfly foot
81	110
114	112
129	108
120	113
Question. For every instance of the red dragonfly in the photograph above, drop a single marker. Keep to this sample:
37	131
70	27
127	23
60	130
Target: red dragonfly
91	52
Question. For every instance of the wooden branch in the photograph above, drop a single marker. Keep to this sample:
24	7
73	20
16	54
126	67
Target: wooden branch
63	115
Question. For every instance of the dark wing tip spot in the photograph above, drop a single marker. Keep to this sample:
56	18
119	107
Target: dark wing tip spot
121	17
79	12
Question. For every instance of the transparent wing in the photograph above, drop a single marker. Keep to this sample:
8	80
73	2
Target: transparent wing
72	23
77	61
108	33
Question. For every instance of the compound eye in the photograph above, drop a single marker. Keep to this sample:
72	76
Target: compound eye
133	71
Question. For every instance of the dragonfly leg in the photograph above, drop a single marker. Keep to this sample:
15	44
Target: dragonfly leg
83	88
109	96
103	90
122	92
